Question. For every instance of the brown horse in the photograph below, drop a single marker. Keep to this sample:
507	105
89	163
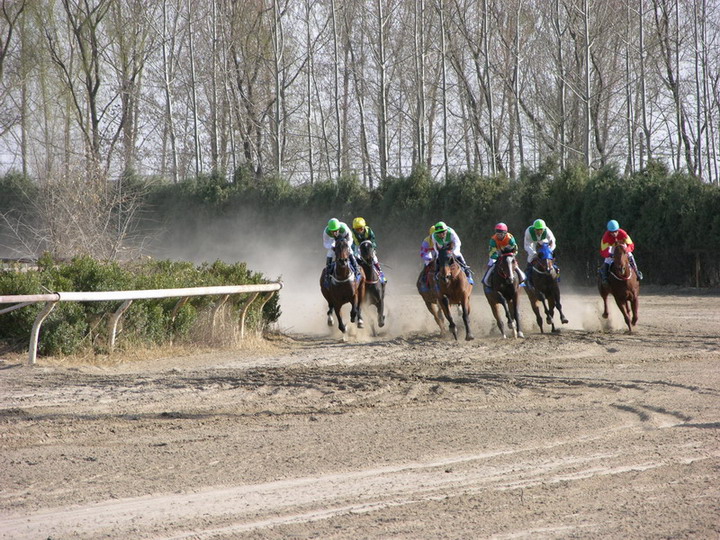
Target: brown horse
374	286
624	286
343	286
426	287
503	292
453	288
545	291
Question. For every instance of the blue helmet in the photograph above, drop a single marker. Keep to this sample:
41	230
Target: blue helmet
613	225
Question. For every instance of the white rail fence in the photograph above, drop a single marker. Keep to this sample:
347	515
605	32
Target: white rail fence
127	297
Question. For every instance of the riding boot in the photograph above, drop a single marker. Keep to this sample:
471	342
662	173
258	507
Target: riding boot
354	265
521	275
529	272
466	268
604	270
486	277
328	268
633	263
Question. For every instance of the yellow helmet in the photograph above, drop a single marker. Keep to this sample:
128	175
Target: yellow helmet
358	223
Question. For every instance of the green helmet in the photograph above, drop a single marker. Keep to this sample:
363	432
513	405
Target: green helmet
333	225
539	224
440	227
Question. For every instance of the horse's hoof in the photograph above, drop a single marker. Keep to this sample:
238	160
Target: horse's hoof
520	334
361	324
381	323
604	315
330	321
548	320
564	320
469	337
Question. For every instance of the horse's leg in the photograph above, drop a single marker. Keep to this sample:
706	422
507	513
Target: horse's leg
381	304
546	308
604	294
558	305
515	310
355	312
341	323
536	309
445	302
329	314
498	318
635	302
466	318
622	304
511	324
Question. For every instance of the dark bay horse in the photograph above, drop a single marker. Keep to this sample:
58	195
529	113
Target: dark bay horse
343	286
545	291
374	286
624	286
503	293
453	288
426	288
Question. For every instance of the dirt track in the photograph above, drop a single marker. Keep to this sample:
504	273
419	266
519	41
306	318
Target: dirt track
589	433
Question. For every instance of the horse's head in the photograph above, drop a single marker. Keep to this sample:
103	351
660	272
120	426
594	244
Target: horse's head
621	261
544	260
505	266
445	260
342	253
367	251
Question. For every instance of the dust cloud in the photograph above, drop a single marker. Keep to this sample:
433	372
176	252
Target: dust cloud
296	257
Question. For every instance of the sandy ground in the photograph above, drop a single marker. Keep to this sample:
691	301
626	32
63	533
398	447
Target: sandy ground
586	433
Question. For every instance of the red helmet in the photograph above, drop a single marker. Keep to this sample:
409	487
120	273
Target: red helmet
501	227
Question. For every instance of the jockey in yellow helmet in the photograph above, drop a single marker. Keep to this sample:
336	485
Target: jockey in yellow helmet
362	232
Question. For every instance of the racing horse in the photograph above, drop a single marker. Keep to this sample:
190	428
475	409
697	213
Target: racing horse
374	285
426	288
343	286
503	293
453	288
624	285
545	290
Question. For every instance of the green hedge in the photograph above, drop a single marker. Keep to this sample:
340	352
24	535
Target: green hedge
672	217
75	326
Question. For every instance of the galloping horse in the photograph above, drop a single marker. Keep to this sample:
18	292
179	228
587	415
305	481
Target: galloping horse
343	286
426	288
624	286
545	290
503	291
374	286
453	287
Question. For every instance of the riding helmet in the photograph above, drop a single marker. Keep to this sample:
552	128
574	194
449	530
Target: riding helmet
358	223
333	225
440	227
501	227
539	224
613	225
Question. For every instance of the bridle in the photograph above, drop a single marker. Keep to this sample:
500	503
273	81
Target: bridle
504	267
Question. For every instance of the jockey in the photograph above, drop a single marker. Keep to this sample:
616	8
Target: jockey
337	230
362	232
535	234
615	235
501	241
445	237
427	252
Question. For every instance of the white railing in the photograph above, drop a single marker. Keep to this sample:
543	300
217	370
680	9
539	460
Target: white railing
51	299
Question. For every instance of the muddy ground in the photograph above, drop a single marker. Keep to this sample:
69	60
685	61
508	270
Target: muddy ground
586	433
